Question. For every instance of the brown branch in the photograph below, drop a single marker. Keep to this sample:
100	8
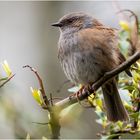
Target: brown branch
56	108
45	99
7	80
108	75
54	113
132	14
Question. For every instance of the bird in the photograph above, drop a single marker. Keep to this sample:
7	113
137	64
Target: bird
87	49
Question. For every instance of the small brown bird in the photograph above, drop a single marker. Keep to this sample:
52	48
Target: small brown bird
86	50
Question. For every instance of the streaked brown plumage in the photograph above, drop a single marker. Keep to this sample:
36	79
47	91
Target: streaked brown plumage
86	50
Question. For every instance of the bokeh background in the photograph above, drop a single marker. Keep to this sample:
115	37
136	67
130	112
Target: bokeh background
26	37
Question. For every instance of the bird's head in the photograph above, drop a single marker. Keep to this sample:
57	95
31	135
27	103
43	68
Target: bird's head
75	21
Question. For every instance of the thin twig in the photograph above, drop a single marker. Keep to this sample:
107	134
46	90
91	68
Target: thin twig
51	99
134	33
9	78
46	101
133	14
41	123
55	98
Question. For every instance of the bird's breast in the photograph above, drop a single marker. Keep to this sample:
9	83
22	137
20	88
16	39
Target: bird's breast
80	66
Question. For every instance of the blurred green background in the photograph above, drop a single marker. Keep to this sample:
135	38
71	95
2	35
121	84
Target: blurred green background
26	37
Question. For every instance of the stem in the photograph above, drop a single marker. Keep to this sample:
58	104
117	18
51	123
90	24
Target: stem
56	108
45	99
7	80
54	123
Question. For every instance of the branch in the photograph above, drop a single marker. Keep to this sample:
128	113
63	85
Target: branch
6	81
108	75
53	113
134	33
45	99
55	108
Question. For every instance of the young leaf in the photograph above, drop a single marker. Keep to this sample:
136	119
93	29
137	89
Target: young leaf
124	25
37	95
135	115
6	68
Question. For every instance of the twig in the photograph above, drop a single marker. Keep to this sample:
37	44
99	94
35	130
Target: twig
56	108
55	98
133	14
134	33
46	101
41	123
53	111
9	78
51	99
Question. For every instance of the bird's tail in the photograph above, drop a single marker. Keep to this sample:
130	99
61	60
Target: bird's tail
114	106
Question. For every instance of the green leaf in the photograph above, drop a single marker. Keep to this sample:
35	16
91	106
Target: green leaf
37	95
120	124
112	136
124	25
131	87
99	103
134	115
6	68
128	106
3	79
100	113
91	99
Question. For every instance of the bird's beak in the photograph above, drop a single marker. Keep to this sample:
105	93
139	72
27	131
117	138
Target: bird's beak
57	24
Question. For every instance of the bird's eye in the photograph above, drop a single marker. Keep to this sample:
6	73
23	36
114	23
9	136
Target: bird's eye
70	20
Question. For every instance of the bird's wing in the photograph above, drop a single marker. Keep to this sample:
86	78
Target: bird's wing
102	42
